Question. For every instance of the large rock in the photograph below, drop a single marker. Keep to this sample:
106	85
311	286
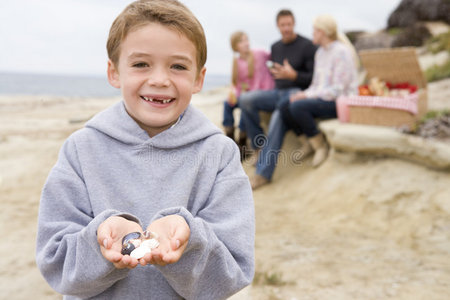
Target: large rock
412	36
410	12
381	140
380	39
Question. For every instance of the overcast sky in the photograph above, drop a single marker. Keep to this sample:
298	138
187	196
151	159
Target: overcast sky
69	36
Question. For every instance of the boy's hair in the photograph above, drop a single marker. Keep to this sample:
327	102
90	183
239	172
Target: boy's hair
169	13
285	12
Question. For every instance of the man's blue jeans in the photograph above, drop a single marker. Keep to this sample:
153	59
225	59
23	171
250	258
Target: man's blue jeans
252	103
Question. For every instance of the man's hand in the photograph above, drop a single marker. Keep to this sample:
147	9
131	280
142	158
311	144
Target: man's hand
173	235
284	71
109	237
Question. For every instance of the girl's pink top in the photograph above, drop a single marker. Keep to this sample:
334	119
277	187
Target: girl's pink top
261	80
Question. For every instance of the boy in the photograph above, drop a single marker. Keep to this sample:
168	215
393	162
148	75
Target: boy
151	162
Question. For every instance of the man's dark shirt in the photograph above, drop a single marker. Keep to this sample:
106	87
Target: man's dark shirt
300	54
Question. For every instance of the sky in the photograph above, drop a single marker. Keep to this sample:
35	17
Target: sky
69	36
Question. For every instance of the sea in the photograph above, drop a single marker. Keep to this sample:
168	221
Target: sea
75	85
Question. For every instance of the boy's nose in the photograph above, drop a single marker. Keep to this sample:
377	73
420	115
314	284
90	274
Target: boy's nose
158	77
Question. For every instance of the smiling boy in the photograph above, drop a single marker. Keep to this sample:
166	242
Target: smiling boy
150	162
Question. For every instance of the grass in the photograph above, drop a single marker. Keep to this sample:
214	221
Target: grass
394	31
435	114
436	72
268	278
430	115
438	43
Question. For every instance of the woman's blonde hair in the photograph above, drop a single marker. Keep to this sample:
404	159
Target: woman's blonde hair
234	40
170	13
328	25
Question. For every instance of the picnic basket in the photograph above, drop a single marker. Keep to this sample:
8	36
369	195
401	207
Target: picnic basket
394	65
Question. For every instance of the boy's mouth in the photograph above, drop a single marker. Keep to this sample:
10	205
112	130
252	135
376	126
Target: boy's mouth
156	100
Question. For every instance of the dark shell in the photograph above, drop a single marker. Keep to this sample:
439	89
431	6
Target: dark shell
131	236
127	242
127	248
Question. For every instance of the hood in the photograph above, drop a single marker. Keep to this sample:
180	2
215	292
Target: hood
116	123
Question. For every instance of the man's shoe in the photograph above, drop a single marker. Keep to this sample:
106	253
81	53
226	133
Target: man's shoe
258	181
229	132
242	144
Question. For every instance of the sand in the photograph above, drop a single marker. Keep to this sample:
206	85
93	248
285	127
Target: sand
358	227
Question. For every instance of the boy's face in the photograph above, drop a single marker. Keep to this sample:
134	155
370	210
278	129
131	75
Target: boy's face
157	73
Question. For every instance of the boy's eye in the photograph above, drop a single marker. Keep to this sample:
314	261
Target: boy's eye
140	65
179	67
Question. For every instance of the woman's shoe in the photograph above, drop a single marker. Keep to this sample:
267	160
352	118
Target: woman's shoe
305	147
320	147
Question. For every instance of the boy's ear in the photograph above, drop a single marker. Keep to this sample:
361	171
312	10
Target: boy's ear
113	75
198	85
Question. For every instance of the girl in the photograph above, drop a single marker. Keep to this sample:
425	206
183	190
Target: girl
250	72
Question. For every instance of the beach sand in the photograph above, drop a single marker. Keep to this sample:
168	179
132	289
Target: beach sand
358	227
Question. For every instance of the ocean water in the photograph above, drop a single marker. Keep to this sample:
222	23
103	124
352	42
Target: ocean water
74	86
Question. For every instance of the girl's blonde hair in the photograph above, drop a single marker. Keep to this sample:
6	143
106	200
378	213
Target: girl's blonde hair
234	40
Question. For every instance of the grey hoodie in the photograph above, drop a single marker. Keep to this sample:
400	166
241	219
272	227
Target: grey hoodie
112	167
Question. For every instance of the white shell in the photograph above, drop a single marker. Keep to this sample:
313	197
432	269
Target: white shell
144	248
140	252
151	243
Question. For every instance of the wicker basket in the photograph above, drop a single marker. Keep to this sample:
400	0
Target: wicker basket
395	66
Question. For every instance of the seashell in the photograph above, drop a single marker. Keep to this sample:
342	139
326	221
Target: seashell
130	242
151	243
127	249
150	235
140	252
137	245
131	236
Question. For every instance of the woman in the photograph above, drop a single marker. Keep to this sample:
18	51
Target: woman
335	74
249	73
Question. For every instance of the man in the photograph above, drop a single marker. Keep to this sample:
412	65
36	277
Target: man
293	67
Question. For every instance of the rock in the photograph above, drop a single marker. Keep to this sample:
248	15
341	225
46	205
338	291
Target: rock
435	128
380	39
354	35
410	12
414	36
380	140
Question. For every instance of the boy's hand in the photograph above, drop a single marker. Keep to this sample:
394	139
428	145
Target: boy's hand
109	237
174	233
